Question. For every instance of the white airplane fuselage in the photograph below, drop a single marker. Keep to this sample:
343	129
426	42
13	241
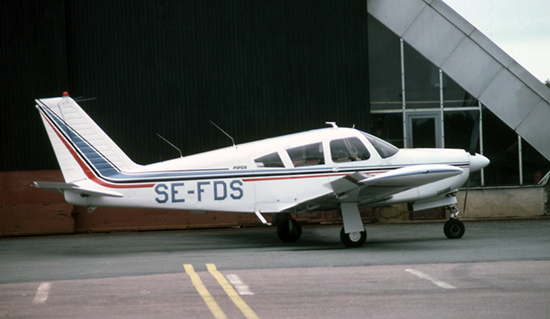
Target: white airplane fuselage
235	183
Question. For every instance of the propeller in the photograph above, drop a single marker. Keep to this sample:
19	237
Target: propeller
466	195
474	140
474	137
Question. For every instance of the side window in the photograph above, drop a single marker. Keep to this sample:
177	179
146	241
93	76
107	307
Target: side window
307	155
269	160
348	150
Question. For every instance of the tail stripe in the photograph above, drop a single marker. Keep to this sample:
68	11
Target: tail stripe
88	169
92	155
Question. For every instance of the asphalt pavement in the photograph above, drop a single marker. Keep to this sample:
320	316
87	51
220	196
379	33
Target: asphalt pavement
497	270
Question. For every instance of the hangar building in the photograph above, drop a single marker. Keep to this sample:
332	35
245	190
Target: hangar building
437	81
411	71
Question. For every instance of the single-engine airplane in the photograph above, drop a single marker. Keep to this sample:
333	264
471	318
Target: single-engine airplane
324	169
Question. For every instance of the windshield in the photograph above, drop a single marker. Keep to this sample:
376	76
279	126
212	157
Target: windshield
383	148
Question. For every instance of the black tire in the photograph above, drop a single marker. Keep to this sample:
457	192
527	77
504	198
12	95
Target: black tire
352	240
454	229
289	231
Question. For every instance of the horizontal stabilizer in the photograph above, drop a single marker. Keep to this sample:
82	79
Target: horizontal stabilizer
70	187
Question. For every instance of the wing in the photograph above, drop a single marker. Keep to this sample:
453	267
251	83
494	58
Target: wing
370	188
364	188
70	187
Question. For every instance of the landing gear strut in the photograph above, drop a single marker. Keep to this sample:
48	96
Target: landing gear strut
353	234
454	228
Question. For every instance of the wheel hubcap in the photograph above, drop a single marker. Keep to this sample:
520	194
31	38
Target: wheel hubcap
355	236
455	229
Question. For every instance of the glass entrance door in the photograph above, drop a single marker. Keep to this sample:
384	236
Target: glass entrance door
424	130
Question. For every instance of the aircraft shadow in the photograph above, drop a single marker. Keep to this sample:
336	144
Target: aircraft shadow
181	242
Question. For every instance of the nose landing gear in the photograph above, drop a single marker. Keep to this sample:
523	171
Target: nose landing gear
454	228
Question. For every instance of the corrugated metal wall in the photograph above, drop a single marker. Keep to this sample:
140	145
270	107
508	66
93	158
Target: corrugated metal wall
33	63
256	68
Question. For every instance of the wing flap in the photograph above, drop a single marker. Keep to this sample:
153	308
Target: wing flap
71	187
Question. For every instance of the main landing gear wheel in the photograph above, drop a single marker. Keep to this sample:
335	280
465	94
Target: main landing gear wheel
289	231
356	239
454	228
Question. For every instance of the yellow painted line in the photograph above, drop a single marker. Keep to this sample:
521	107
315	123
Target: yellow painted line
205	294
230	291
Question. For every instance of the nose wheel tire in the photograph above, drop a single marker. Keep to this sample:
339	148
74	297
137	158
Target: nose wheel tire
355	239
289	231
454	228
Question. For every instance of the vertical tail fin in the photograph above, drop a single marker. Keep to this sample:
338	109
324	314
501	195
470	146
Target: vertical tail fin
82	149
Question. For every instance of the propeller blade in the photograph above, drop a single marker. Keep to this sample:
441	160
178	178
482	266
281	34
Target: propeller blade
474	138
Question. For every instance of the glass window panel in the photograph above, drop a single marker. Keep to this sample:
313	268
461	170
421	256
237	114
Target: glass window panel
388	127
501	147
348	150
307	155
383	148
421	80
460	129
535	166
384	67
270	160
454	95
423	132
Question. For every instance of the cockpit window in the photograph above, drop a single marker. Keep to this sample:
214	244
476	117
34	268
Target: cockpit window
348	150
383	148
270	161
307	155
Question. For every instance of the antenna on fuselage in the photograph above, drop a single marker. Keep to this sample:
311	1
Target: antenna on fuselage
167	141
224	132
332	123
82	99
